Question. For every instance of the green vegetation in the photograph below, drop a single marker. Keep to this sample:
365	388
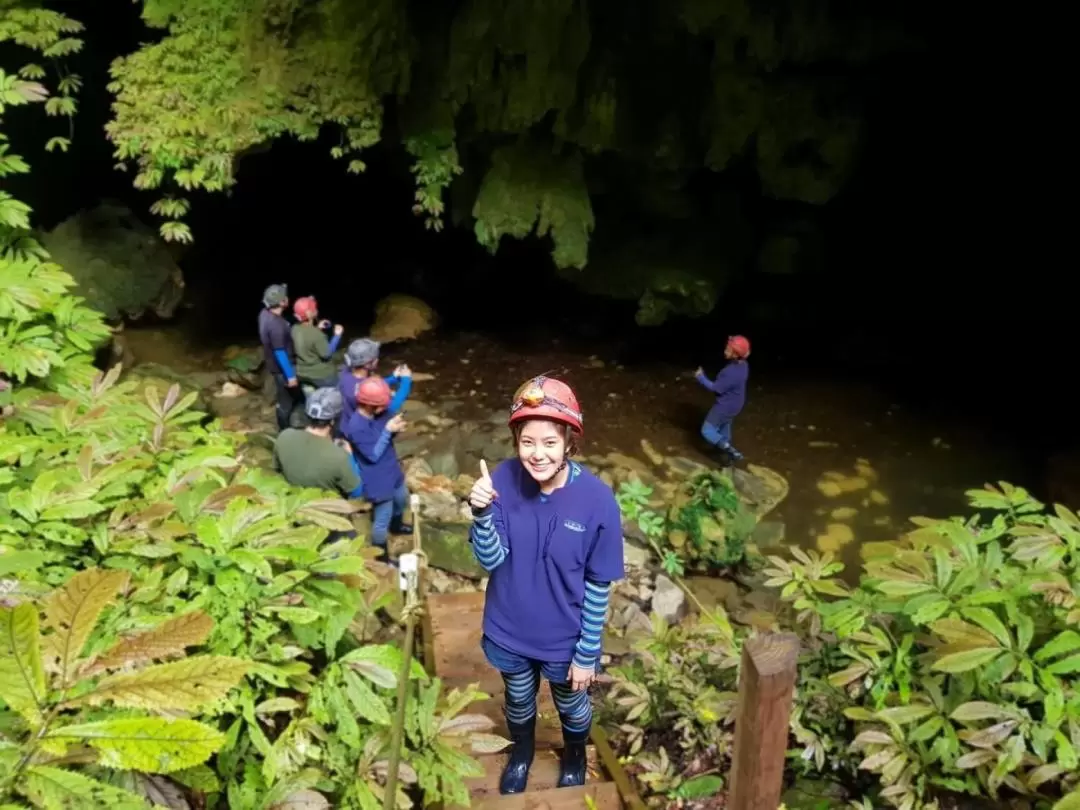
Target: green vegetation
130	521
522	117
705	528
953	666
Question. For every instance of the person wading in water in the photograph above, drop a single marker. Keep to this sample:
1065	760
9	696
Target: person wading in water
730	389
549	533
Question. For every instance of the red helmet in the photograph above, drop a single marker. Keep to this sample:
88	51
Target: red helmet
373	392
739	345
545	398
304	308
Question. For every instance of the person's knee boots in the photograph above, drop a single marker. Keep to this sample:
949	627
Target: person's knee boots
399	526
515	775
572	765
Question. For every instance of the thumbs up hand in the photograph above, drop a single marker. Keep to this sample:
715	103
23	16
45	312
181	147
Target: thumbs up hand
483	492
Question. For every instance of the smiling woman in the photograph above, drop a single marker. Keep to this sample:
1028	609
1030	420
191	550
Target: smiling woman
549	533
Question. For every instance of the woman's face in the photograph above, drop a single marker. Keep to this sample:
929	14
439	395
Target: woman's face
542	448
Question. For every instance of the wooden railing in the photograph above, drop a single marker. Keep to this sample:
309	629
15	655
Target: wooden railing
766	686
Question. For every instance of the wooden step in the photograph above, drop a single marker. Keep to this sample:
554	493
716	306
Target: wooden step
548	728
605	796
543	775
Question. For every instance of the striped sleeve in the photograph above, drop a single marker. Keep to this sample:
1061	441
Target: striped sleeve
593	616
487	546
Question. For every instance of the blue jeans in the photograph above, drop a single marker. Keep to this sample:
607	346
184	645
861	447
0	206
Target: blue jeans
719	436
521	677
383	513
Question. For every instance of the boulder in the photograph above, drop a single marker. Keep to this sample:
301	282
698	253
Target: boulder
120	265
402	317
760	488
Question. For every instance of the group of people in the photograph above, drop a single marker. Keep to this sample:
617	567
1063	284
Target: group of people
351	416
546	529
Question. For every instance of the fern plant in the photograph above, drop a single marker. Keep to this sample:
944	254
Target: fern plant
64	706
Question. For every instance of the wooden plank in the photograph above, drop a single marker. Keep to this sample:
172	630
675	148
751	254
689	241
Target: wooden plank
610	764
605	796
543	775
766	685
456	630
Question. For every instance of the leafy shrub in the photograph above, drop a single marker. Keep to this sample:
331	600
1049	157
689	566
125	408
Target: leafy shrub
955	663
107	487
54	692
676	695
704	528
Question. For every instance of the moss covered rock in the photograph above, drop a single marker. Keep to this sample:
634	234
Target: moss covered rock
120	265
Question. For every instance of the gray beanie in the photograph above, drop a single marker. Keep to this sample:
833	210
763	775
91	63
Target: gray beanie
325	405
362	352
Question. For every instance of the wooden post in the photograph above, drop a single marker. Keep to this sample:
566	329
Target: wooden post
766	685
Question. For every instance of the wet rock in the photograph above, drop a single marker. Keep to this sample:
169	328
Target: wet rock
402	317
447	547
635	555
713	592
682	467
654	457
120	265
415	409
444	463
668	601
760	488
769	534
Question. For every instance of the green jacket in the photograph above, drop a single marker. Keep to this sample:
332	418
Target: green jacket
314	361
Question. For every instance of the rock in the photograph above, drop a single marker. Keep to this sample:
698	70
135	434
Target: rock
231	390
402	317
810	794
444	463
760	488
121	266
769	534
634	555
682	467
651	453
416	409
714	592
668	601
447	547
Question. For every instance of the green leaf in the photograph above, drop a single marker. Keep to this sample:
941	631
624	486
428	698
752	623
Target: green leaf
367	704
988	621
148	744
901	715
966	660
182	685
22	678
1064	642
59	789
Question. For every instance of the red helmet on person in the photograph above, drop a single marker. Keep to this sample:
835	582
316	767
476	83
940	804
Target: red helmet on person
373	392
545	398
305	307
739	345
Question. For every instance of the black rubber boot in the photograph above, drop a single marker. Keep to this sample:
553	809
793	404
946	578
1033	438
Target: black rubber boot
515	775
572	766
399	526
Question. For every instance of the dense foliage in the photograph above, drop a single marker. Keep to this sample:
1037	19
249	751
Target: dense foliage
953	666
705	526
132	522
533	111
